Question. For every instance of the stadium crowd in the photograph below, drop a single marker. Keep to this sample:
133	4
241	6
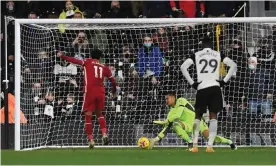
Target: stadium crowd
145	61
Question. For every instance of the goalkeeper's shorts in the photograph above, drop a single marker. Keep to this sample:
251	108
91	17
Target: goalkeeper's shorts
189	127
203	126
186	126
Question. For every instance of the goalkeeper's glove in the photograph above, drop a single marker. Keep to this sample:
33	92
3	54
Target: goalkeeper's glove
221	83
153	142
165	122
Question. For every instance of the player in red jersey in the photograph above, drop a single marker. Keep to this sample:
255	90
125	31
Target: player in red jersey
94	91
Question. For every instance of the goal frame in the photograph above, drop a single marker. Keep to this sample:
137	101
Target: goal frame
18	23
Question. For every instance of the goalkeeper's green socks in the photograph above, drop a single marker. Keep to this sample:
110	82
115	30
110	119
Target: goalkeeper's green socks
182	133
220	139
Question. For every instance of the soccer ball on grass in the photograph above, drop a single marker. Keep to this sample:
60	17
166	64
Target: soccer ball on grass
143	142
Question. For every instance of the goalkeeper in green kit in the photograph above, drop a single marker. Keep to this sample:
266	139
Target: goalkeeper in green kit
181	118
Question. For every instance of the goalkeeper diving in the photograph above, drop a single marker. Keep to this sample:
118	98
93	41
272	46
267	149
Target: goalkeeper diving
181	119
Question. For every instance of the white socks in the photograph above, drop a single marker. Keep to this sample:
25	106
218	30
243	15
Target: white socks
212	132
196	129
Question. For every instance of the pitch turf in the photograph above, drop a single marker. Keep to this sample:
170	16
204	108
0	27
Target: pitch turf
135	156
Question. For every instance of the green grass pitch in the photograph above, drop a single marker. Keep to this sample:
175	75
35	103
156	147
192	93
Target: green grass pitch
136	156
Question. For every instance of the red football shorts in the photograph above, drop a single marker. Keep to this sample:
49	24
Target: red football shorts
93	101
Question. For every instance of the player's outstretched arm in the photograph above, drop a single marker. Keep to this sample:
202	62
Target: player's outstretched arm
168	123
171	118
159	137
233	68
70	59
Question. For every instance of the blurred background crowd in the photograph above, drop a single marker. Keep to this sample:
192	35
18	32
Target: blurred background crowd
145	60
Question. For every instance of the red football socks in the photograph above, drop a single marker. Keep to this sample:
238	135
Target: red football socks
88	126
102	123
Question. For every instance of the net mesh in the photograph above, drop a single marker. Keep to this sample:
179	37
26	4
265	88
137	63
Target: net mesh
51	89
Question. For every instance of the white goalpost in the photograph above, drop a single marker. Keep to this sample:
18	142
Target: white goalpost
48	91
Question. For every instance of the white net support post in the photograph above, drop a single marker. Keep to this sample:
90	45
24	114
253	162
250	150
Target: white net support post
48	92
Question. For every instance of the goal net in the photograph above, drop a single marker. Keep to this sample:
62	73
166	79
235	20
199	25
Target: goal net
145	57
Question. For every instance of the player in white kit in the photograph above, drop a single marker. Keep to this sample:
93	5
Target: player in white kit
209	94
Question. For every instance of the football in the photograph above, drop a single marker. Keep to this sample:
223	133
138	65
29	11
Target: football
143	142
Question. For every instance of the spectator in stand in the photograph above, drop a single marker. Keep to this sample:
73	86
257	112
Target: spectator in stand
150	69
80	46
127	71
265	54
38	77
78	15
69	107
188	8
56	111
32	15
234	92
80	49
137	8
266	57
259	84
40	70
117	12
51	107
161	39
180	47
150	60
130	79
11	9
129	59
69	12
64	39
8	9
182	41
157	9
66	78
